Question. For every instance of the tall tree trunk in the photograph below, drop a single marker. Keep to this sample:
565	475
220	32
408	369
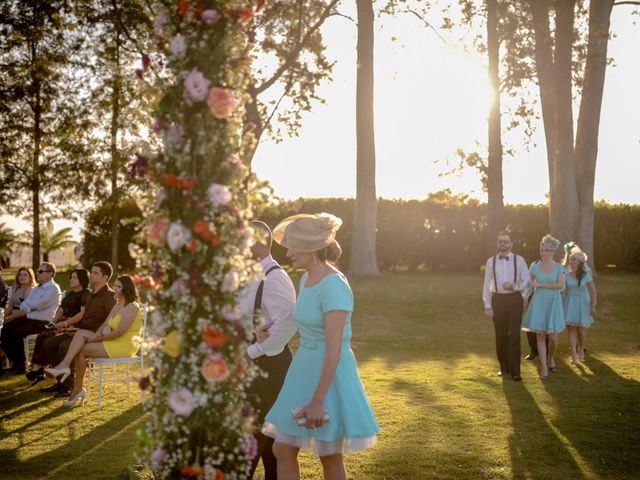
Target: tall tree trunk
563	213
586	151
115	157
37	138
363	244
494	171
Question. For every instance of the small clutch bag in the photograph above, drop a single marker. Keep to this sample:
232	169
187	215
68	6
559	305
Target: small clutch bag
302	420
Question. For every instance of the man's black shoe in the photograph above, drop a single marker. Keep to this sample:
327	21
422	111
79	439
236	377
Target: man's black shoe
56	387
516	378
531	356
62	393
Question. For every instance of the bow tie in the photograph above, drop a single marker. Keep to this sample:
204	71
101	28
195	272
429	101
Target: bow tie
503	257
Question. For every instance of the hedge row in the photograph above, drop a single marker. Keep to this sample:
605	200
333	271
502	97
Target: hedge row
450	234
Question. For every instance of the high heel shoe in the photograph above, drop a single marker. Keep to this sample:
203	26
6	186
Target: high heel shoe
72	401
552	368
63	373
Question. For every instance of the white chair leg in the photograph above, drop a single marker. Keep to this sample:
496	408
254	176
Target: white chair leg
100	389
89	378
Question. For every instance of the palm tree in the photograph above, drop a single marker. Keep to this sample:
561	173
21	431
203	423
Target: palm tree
7	241
50	240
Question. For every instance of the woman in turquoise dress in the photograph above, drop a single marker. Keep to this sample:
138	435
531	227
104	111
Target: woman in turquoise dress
322	406
545	315
579	301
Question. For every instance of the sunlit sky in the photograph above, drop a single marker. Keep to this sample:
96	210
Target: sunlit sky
430	98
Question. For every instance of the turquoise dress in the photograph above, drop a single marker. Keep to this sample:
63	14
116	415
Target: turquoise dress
576	300
545	312
352	425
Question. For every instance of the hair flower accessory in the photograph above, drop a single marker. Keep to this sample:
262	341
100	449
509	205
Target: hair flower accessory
568	246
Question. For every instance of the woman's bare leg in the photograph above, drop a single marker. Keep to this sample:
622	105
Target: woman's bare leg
333	467
541	340
553	344
287	457
91	350
572	342
582	338
77	343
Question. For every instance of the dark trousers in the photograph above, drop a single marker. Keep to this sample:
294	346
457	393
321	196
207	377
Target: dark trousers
507	317
13	335
263	393
54	349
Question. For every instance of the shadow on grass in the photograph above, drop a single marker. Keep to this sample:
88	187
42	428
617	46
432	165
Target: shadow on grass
83	456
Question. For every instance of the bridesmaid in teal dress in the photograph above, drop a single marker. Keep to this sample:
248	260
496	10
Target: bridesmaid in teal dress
322	406
545	315
579	301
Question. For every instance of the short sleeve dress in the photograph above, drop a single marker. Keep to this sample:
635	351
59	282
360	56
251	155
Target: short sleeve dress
352	424
576	300
545	313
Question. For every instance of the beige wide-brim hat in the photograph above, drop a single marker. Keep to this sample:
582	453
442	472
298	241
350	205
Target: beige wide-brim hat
307	232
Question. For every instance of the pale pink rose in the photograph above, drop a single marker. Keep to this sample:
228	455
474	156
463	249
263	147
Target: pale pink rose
178	46
175	135
210	16
178	236
159	23
251	445
230	282
158	457
221	102
237	166
181	402
179	286
196	85
231	314
158	232
215	369
218	194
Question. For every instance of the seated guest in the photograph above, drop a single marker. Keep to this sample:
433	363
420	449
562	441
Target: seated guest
115	338
38	310
96	310
69	313
25	282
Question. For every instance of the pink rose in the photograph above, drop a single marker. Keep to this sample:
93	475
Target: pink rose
215	369
158	232
231	314
221	102
210	16
181	402
196	85
158	457
218	194
252	446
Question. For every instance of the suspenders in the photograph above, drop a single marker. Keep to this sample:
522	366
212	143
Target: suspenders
257	304
515	271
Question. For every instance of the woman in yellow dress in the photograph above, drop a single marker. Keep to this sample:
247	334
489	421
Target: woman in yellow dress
113	339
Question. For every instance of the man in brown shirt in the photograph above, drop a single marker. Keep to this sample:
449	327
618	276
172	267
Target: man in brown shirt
96	311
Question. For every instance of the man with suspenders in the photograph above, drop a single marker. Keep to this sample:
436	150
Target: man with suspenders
272	299
506	278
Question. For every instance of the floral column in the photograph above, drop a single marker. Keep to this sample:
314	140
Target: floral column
200	426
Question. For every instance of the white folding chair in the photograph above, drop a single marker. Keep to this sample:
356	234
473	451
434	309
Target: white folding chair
114	376
29	346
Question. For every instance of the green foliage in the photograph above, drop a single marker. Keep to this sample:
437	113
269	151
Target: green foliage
7	241
447	233
97	233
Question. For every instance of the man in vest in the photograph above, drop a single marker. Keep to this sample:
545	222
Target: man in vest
505	282
272	298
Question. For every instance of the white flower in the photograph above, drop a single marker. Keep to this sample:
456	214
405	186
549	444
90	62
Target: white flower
218	194
178	236
230	282
231	314
196	85
181	402
158	457
159	23
178	46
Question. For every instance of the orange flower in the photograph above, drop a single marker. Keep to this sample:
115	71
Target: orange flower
219	475
193	246
215	369
221	102
192	471
177	182
214	338
202	228
215	240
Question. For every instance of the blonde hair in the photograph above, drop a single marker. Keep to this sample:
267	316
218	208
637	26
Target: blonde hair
550	242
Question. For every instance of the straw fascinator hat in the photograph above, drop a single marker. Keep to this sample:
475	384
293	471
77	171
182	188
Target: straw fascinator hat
579	255
307	233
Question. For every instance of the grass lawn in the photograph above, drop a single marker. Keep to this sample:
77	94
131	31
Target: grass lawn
426	356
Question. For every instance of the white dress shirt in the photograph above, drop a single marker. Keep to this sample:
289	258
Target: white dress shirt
43	302
504	273
278	298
